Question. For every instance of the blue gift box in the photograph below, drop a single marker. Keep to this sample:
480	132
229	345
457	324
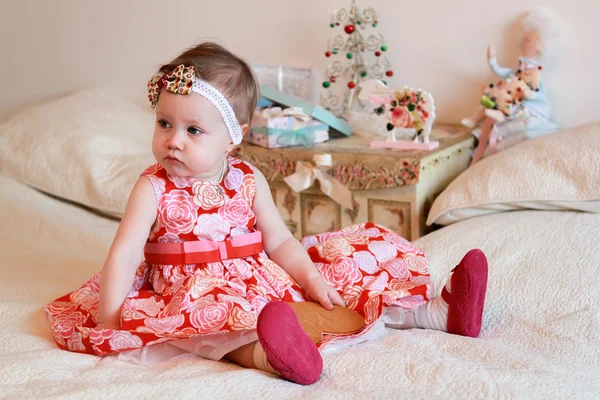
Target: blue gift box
336	124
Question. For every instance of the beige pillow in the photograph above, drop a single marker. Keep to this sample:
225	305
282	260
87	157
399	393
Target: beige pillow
88	147
560	171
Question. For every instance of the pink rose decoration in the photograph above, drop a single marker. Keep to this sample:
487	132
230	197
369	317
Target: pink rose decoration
248	189
410	302
401	118
178	211
211	227
257	297
208	195
180	182
240	268
210	318
241	319
123	340
149	305
60	307
238	231
179	301
397	268
160	326
237	211
366	261
382	250
403	245
85	298
98	336
376	283
371	232
372	309
158	184
335	247
67	323
416	263
343	272
153	169
75	342
351	295
234	179
170	238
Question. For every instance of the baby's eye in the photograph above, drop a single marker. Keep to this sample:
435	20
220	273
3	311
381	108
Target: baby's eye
194	131
163	124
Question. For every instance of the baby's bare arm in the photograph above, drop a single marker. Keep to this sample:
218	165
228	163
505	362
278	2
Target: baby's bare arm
126	253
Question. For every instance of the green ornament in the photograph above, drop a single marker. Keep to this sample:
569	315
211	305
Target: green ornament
334	51
411	107
390	126
326	84
363	74
374	24
384	48
359	22
349	56
332	25
384	82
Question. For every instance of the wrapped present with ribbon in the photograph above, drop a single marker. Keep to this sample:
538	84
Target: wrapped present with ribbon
286	127
306	174
337	126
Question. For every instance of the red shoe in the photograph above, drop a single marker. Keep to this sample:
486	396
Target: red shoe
288	348
465	302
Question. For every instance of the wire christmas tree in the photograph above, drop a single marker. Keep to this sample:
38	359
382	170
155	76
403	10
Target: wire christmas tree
352	45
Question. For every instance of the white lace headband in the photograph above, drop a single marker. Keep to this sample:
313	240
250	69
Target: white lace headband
183	80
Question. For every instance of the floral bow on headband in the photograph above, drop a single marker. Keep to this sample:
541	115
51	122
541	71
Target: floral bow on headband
179	81
183	80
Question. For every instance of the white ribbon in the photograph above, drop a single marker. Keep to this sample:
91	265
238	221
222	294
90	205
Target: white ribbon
295	112
306	173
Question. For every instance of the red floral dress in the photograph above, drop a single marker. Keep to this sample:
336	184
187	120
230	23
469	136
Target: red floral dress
370	267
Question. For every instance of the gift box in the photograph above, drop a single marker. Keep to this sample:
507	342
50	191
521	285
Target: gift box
295	81
276	127
337	126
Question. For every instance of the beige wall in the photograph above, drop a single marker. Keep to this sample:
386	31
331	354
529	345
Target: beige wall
50	47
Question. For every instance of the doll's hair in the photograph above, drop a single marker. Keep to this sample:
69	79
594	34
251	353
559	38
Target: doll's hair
546	23
227	72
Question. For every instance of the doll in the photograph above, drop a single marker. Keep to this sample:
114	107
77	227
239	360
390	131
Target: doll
529	116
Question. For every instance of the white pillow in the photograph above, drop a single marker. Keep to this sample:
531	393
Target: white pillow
560	171
88	147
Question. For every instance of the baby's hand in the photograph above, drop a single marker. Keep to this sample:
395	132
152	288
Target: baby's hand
318	290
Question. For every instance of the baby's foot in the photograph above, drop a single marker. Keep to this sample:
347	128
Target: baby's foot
466	295
289	350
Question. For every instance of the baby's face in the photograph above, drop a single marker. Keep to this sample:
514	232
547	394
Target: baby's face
531	45
190	137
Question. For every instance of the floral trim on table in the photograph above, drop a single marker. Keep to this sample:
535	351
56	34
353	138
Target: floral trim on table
353	176
360	177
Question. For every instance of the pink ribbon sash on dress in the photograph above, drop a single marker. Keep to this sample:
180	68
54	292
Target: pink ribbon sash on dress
203	251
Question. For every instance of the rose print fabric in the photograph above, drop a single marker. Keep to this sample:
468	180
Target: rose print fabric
370	266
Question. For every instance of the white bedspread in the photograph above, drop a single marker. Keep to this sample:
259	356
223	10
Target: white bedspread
540	339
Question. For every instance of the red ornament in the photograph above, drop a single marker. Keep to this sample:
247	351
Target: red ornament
540	67
377	53
390	73
351	85
332	79
327	54
349	29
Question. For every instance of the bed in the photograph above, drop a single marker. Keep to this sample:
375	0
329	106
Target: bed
534	209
